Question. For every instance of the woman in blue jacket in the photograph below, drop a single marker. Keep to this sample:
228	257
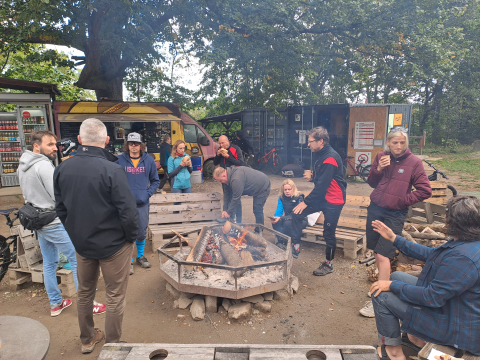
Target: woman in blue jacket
179	169
282	220
143	181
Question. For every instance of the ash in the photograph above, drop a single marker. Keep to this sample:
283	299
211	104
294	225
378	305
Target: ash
223	279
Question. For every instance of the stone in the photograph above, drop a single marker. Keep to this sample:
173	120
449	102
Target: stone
175	293
197	309
264	307
175	304
180	316
294	284
240	311
280	295
226	303
254	299
184	301
268	296
211	304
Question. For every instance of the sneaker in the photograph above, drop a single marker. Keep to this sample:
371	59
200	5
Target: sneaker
65	303
131	269
281	245
367	310
295	250
323	269
99	336
99	308
143	262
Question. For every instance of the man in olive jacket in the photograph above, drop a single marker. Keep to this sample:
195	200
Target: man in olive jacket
95	204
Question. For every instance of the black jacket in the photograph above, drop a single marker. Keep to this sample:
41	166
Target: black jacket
290	203
232	160
245	146
330	186
164	148
94	203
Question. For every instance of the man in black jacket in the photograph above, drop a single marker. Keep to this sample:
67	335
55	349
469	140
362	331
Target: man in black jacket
229	155
328	196
94	202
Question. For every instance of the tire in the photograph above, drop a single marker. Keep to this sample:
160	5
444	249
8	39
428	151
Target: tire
4	257
276	164
250	162
208	168
364	172
345	171
257	164
452	189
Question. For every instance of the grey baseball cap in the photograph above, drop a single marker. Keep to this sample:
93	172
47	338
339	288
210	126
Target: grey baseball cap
134	137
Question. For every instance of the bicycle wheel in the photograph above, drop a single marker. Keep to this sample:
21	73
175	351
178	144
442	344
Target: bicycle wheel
344	169
4	257
259	162
250	161
364	172
276	163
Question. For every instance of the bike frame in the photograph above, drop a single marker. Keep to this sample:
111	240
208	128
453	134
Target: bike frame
266	158
355	169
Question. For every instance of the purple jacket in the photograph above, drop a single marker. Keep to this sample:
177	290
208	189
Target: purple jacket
393	185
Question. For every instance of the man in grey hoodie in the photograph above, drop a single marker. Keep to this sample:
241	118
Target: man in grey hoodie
36	181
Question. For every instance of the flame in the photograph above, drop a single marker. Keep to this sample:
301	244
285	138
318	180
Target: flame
240	242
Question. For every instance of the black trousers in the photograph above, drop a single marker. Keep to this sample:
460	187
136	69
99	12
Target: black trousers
394	219
237	217
258	204
331	214
284	226
165	178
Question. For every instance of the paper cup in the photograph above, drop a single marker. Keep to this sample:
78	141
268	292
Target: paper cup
308	173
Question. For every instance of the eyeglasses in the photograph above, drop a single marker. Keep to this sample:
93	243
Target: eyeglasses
309	142
396	129
133	144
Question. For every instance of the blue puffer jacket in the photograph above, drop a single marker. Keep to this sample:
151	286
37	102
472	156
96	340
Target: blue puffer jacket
180	176
143	179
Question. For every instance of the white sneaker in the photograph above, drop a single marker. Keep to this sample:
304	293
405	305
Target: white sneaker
367	310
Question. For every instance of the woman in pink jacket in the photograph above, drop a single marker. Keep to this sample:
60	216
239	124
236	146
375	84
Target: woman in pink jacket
393	174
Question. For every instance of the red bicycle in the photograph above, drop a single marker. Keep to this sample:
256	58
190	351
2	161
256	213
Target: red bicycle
260	161
358	170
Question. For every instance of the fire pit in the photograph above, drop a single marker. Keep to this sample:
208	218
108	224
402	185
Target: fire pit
229	261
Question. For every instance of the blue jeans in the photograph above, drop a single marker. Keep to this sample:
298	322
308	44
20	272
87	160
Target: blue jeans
51	240
179	191
389	309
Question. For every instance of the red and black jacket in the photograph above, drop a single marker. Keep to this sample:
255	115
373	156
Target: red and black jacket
235	158
330	186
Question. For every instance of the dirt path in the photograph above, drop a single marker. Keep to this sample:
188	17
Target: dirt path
149	316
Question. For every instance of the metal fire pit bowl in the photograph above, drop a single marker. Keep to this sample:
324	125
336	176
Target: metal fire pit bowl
223	280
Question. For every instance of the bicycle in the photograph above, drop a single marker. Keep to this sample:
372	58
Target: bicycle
8	246
358	170
260	161
434	177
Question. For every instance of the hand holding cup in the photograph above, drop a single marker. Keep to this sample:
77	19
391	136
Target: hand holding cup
383	163
307	175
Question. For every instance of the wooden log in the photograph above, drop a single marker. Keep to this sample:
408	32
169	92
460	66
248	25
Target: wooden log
257	251
252	238
419	235
407	236
246	257
230	255
435	227
182	238
366	260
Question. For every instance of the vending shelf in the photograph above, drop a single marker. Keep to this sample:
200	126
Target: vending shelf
9	141
10	162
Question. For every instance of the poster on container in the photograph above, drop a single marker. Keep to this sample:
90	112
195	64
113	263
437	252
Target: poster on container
364	134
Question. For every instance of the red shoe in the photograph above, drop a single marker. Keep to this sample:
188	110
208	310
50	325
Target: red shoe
99	308
56	311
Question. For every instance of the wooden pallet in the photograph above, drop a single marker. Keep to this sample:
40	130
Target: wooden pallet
439	193
351	226
195	211
426	212
132	351
28	248
19	276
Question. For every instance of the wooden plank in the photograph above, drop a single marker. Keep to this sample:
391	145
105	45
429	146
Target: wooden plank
353	212
184	197
29	242
344	230
191	216
362	201
439	192
186	207
33	256
182	226
438	184
437	200
338	234
347	222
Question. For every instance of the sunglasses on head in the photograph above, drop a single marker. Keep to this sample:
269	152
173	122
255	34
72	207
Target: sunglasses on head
396	129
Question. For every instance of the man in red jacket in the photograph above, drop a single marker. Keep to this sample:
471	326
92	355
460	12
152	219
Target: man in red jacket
393	173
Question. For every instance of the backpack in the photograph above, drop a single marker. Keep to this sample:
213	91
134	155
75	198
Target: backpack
33	218
292	170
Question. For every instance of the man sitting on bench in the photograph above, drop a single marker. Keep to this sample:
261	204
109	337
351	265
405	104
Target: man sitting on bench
442	305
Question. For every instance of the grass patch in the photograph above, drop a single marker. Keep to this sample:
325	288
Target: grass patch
461	163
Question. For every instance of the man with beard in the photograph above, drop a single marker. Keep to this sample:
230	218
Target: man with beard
36	181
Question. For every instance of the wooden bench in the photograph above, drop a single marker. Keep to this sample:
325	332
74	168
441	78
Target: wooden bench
350	229
195	211
426	212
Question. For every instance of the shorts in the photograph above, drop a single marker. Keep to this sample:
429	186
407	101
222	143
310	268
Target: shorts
394	219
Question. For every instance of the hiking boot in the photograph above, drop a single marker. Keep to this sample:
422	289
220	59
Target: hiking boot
367	310
57	310
131	269
99	336
98	308
323	269
143	262
281	245
295	250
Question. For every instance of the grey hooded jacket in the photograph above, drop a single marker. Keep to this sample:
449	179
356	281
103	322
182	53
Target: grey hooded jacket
35	173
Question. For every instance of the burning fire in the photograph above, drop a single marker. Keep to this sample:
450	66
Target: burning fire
239	243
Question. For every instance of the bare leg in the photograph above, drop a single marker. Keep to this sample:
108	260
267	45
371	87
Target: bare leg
393	352
417	341
383	265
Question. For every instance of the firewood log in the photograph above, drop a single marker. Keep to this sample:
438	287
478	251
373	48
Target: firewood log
410	228
257	251
435	227
252	238
429	236
407	236
230	256
246	257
